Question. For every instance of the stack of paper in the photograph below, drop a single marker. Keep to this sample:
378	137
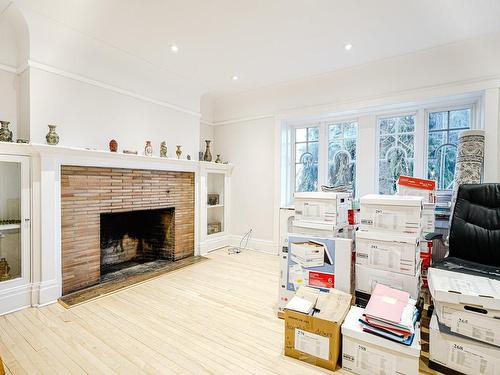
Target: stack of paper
390	313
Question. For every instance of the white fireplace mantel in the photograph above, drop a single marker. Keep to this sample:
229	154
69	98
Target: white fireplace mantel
45	165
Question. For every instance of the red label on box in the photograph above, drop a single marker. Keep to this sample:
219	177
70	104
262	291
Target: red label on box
419	183
321	279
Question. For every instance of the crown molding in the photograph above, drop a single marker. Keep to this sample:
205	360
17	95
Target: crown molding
106	86
8	68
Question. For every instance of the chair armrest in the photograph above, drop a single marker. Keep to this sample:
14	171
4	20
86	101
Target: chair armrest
433	236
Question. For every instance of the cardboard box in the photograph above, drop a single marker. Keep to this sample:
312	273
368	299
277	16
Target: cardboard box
308	253
388	251
316	339
391	213
428	218
284	293
287	215
318	209
460	288
470	321
366	353
460	354
336	264
417	187
367	278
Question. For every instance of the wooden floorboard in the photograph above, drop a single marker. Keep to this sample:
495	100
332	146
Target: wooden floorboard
213	317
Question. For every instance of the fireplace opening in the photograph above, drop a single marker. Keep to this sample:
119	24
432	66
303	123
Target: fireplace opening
135	242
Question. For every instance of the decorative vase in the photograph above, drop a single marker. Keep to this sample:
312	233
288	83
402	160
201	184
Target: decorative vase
113	146
52	137
208	154
4	270
148	149
5	133
470	160
163	149
188	157
218	159
178	152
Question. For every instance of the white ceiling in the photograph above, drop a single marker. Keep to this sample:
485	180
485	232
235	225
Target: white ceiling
270	41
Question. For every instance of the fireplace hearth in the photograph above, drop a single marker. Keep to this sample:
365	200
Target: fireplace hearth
135	242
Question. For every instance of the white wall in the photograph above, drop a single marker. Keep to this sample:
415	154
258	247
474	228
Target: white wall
458	69
249	146
90	116
8	99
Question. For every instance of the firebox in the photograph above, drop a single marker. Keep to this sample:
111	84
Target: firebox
135	241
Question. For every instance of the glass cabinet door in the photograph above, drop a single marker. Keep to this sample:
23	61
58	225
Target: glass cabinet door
14	219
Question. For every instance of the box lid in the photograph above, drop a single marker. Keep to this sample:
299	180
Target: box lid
461	288
352	328
387	236
419	183
392	200
320	195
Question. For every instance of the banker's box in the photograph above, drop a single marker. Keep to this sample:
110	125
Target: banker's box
313	339
391	213
387	251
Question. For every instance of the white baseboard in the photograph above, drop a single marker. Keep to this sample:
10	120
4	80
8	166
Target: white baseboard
15	298
49	291
257	244
212	244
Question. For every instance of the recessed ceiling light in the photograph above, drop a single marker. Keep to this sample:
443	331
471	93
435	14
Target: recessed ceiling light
174	48
235	78
348	46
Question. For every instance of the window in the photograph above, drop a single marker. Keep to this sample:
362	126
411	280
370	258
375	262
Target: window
396	150
444	127
306	158
342	154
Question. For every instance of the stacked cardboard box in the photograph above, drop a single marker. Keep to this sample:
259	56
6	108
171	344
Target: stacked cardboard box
387	244
365	353
314	245
427	190
465	327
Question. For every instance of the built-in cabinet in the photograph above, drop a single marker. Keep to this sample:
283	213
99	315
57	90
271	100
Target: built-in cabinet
15	244
214	206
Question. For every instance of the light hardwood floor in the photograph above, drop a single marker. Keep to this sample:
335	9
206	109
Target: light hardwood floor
215	317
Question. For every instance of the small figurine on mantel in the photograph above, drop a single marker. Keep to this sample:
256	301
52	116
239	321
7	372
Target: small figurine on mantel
113	145
178	152
218	159
148	149
163	149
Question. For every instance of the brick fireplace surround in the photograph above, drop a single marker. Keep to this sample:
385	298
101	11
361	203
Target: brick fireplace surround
86	192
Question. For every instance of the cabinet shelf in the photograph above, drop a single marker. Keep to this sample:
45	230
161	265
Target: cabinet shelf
215	206
10	226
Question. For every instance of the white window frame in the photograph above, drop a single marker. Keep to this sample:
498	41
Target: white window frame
474	124
323	141
419	110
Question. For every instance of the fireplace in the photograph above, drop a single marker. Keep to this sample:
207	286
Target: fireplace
118	222
135	241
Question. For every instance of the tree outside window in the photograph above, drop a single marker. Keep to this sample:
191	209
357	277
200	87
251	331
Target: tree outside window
306	159
342	154
444	128
396	150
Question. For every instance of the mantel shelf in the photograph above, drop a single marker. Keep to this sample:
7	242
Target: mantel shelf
66	153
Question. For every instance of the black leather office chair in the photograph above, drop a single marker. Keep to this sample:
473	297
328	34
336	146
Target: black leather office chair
474	239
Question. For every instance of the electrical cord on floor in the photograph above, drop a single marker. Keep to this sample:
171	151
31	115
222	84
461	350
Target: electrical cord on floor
244	239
